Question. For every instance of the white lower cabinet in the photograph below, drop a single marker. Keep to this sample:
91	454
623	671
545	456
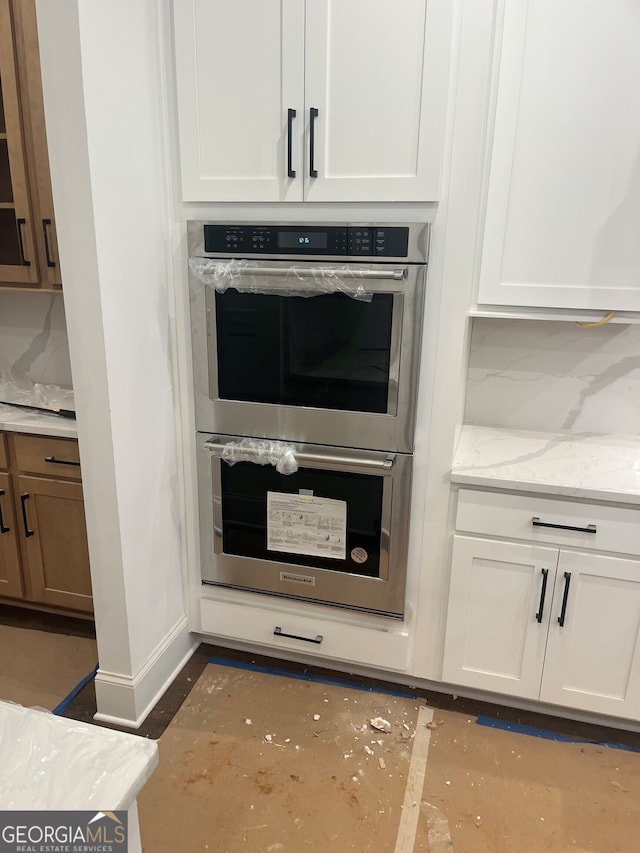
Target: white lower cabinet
593	659
545	623
493	639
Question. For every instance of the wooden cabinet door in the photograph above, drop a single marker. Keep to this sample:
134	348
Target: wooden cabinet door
593	658
377	75
28	56
493	639
10	573
564	188
55	542
239	69
18	263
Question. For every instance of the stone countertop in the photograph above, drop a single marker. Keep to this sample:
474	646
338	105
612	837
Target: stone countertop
13	419
589	466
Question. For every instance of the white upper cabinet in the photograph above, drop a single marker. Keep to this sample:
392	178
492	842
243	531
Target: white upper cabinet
239	71
323	100
377	74
563	209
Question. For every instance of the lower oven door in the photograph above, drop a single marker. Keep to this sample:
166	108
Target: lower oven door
334	532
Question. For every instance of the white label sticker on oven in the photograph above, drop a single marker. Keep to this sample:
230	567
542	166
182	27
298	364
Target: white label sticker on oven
305	524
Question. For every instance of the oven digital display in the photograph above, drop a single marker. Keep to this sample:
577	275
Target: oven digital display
302	239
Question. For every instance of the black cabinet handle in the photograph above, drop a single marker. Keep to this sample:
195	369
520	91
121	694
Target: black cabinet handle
545	577
313	113
278	632
45	224
590	528
23	501
23	260
563	612
60	461
3	529
291	114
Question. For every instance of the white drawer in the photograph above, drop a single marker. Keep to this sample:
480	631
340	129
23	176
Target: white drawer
512	517
383	649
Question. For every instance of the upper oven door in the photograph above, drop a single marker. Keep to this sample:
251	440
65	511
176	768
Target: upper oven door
282	357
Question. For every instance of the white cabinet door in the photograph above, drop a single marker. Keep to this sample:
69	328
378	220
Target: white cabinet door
377	75
564	189
593	659
239	69
494	640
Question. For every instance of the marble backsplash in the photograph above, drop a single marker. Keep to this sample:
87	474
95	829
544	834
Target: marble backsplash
33	340
554	376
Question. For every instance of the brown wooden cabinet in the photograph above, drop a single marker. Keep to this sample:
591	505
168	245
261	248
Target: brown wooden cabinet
44	557
28	246
10	571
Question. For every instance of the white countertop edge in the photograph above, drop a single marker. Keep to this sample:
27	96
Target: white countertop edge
468	478
37	424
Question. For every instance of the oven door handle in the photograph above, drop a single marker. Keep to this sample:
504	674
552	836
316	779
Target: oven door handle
383	463
326	272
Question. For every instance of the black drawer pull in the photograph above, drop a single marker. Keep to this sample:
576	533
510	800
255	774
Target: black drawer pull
545	577
61	461
3	529
23	501
590	528
45	225
278	632
563	612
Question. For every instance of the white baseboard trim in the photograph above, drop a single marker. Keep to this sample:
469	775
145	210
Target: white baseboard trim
126	700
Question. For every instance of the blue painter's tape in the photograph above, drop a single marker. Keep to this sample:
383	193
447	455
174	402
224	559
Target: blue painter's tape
546	734
307	676
68	699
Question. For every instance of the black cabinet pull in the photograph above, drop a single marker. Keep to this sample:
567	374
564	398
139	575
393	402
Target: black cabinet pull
545	577
313	113
23	260
60	461
45	224
563	612
590	528
23	501
291	114
278	632
3	529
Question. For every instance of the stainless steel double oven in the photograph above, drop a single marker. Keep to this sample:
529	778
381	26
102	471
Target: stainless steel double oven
306	343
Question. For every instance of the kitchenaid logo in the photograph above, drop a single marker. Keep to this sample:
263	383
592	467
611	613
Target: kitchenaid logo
63	832
289	576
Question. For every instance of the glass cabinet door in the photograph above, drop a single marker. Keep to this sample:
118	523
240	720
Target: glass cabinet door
17	250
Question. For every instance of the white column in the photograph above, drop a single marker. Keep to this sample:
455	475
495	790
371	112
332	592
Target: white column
103	91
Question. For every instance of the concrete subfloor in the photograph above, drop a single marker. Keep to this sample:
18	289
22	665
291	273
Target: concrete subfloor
39	669
485	790
288	783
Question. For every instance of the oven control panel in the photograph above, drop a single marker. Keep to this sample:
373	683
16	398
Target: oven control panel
352	241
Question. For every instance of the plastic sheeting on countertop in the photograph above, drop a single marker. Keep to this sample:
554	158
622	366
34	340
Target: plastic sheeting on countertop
250	277
261	451
49	762
24	392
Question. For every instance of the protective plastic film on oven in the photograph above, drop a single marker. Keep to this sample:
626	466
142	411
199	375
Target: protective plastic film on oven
275	344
